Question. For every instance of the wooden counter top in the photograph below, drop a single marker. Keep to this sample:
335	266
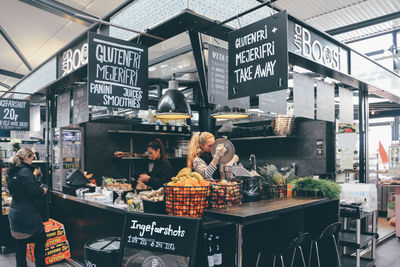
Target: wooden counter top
262	210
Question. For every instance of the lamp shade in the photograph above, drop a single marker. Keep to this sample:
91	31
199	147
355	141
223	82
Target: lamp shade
173	106
225	112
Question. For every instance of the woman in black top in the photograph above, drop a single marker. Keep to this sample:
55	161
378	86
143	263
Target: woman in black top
161	171
27	194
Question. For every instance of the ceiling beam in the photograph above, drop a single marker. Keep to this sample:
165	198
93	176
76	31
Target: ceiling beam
15	48
363	24
61	10
11	74
5	85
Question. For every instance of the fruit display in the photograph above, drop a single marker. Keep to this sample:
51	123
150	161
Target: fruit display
186	177
187	194
154	195
272	182
226	193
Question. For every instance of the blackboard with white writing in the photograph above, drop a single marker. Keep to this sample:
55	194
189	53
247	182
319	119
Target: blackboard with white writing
258	57
117	73
14	114
165	240
63	109
80	109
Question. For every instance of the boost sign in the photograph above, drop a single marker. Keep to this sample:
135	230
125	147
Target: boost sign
258	57
117	73
14	114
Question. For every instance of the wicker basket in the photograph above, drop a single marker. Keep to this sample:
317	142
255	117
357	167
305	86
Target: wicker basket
274	191
283	125
186	200
226	195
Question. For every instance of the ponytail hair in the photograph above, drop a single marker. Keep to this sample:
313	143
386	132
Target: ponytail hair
158	144
194	148
21	155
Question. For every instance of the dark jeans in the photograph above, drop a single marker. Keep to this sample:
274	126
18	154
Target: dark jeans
39	238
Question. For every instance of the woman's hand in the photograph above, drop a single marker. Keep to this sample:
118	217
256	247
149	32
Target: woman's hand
44	190
144	177
220	150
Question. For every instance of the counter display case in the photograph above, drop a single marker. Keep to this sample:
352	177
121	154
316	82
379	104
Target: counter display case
67	154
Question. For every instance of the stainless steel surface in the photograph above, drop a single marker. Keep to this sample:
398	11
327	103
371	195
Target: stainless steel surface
90	203
239	248
230	150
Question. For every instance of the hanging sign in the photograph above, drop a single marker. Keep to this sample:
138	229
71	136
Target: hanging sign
73	58
307	43
117	73
218	78
155	240
258	57
14	114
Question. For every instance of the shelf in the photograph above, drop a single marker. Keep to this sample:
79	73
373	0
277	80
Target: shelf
136	158
262	137
348	238
150	133
350	261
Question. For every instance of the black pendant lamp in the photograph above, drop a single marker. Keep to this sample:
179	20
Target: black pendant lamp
225	112
173	104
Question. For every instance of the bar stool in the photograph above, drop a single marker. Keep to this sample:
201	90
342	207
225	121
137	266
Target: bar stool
328	232
294	245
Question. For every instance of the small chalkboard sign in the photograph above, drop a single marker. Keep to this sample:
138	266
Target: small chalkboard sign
258	57
14	114
150	240
117	73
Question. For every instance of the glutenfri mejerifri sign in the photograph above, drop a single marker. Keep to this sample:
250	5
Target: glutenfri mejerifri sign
258	57
117	73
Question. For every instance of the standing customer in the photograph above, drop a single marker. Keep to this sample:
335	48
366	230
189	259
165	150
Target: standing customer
25	221
161	171
199	155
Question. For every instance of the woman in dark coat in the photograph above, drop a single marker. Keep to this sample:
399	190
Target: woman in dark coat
25	221
161	171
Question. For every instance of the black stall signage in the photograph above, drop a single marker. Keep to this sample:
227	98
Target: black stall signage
117	73
307	43
72	58
165	240
14	114
258	57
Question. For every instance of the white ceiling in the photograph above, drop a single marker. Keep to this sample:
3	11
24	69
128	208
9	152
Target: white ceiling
39	34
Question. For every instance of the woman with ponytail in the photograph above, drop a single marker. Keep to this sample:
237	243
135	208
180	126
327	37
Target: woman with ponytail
199	156
161	171
25	221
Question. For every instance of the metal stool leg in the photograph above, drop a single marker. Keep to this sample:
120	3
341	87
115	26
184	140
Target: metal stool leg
258	259
302	256
317	252
311	249
337	251
282	262
293	257
273	264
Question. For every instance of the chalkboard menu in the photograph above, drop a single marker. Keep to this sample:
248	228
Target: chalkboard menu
151	240
14	114
218	79
258	57
63	109
80	110
117	73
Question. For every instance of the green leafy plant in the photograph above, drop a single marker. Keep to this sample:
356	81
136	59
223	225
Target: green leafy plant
309	186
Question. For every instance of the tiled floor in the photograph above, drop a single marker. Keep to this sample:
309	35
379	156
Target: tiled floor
387	255
8	260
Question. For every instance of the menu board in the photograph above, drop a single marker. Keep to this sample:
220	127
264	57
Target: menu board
258	57
325	101
151	240
14	114
303	96
63	109
80	110
117	73
218	79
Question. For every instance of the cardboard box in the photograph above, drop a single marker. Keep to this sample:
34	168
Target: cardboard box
56	247
364	194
